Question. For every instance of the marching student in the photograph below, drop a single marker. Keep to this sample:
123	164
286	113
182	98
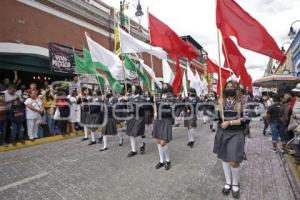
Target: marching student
163	124
229	142
211	109
190	114
148	109
82	100
135	126
96	115
110	128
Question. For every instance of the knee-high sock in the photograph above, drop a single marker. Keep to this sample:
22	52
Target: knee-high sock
161	153
215	124
227	173
205	118
141	141
93	136
235	178
166	152
120	138
133	144
191	135
85	129
104	141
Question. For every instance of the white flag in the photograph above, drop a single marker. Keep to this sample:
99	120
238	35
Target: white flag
190	74
105	57
197	84
151	73
130	44
185	92
168	74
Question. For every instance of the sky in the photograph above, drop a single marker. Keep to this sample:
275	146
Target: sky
197	18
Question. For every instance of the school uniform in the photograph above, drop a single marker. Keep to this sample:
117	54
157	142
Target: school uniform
229	144
111	126
136	125
163	124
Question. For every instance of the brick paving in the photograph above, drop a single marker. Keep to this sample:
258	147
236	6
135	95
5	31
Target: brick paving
70	169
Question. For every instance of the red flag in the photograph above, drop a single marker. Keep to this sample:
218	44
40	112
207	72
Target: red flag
236	61
232	20
163	36
233	57
178	79
213	68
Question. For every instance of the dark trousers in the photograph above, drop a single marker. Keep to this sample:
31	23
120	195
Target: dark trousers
2	131
16	134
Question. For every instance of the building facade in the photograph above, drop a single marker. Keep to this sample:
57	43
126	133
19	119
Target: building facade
27	26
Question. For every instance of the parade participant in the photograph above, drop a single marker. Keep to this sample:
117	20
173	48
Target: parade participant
212	100
230	140
148	109
95	115
191	113
110	128
162	127
82	99
135	126
245	99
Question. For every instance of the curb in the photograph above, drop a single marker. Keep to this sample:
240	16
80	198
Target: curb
45	140
293	174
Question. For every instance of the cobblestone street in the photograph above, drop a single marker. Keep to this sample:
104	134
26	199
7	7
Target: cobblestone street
70	169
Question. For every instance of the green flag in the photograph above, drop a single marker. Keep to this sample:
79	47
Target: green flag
90	68
115	84
129	64
79	64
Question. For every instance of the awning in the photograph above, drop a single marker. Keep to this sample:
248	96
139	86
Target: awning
276	81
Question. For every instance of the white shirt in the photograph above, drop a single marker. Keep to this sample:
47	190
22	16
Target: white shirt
9	97
35	103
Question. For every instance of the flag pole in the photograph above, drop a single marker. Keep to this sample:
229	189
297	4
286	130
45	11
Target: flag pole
123	65
220	77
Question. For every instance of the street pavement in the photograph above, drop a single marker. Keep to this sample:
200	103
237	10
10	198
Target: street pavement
70	169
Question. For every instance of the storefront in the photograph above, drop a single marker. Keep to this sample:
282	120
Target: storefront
31	63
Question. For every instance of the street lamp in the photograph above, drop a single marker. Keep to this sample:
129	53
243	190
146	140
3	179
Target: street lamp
292	32
139	11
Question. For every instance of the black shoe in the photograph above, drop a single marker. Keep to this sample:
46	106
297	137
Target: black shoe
159	165
167	165
226	191
191	144
236	195
83	139
121	143
92	143
103	149
142	148
100	139
131	154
